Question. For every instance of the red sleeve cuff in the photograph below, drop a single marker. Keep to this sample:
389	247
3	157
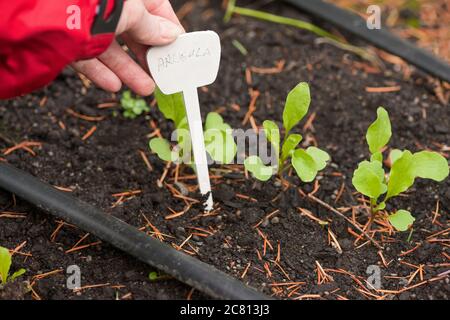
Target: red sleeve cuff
95	44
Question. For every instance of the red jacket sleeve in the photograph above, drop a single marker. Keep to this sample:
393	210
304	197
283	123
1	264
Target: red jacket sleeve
38	38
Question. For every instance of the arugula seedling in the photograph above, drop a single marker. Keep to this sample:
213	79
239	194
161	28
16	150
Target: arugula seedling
133	107
5	265
307	163
219	141
370	178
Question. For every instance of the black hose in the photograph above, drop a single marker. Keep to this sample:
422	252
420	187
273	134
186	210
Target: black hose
381	38
189	270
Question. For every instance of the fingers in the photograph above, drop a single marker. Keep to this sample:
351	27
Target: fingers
127	70
146	28
162	8
143	23
98	73
138	49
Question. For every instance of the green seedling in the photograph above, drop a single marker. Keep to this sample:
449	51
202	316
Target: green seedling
370	178
5	265
158	276
153	276
219	141
307	163
133	107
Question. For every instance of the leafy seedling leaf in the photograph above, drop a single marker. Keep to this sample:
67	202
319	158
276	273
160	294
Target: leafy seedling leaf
133	107
320	157
289	145
401	220
308	163
424	164
220	145
272	133
394	155
172	107
369	179
430	165
402	175
297	105
162	148
153	276
215	121
379	132
5	264
17	274
219	141
255	165
377	156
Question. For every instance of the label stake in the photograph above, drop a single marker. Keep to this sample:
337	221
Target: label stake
190	62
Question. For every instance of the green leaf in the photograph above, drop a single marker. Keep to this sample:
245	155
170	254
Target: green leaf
369	179
172	107
215	121
5	264
379	132
401	220
126	101
380	206
289	145
153	276
162	148
255	165
424	164
297	105
304	165
133	107
272	133
377	156
402	175
320	157
219	141
394	155
308	163
220	145
430	165
140	107
129	114
17	274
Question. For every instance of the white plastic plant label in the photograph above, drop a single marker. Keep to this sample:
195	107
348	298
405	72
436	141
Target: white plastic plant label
192	61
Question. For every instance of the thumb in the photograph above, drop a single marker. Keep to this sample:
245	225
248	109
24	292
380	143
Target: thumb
144	27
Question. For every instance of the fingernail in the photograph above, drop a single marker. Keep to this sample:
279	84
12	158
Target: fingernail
170	30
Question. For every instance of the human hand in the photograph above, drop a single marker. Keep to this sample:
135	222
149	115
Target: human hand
143	23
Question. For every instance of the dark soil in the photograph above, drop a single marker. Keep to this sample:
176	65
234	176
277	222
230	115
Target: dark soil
15	290
108	162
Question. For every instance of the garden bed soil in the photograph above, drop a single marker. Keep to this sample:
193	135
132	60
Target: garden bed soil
109	162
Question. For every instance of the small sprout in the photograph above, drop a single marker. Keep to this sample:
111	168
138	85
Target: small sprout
370	178
5	265
401	220
157	276
172	107
240	47
153	276
162	148
255	165
307	163
133	107
219	141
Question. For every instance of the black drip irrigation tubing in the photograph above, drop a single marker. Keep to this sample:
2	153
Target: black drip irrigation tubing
380	38
125	237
